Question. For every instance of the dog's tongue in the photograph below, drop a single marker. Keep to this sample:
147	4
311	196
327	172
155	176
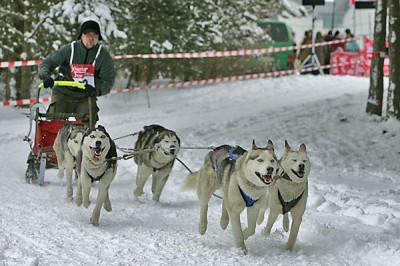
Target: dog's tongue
267	178
300	174
94	154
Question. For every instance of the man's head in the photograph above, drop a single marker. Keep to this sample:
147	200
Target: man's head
90	33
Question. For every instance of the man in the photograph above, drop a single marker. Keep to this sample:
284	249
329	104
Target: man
84	61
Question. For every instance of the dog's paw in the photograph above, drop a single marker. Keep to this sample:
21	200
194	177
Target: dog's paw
248	233
265	233
156	198
244	249
70	194
69	199
202	229
136	199
78	201
86	204
137	192
107	207
224	223
289	246
94	222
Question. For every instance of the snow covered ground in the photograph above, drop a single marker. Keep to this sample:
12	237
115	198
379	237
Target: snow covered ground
352	215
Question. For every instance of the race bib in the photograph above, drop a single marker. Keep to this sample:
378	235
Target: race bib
83	73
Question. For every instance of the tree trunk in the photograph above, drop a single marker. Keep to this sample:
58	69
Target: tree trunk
23	74
375	96
393	103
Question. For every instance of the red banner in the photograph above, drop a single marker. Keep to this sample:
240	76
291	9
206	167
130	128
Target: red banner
357	64
346	63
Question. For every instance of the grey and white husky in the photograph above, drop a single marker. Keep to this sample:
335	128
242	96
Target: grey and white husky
289	193
243	176
66	146
96	162
158	149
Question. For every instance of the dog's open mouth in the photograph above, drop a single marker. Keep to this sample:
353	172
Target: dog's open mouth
170	151
266	179
96	153
299	174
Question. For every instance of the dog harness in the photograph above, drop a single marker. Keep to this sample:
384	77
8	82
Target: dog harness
249	201
97	178
287	206
231	156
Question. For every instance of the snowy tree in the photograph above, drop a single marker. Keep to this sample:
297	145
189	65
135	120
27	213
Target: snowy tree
33	29
18	42
375	96
393	103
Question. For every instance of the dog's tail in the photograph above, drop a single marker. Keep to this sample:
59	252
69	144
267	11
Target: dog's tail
190	181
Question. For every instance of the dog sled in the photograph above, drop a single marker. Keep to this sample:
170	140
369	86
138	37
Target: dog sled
46	125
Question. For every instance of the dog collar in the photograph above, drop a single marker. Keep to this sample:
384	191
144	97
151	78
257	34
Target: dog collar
284	175
287	206
249	201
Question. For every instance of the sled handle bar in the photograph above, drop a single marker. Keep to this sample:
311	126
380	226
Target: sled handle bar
65	83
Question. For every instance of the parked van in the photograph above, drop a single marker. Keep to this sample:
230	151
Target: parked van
277	34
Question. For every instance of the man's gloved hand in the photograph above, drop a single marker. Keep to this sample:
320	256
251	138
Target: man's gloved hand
48	82
90	91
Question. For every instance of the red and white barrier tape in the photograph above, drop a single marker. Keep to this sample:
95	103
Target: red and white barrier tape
25	101
191	55
186	83
19	63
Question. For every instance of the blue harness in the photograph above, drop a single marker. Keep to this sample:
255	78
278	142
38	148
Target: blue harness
249	201
231	156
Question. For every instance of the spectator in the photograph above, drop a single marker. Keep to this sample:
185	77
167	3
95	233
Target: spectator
305	52
320	51
341	46
294	43
352	44
328	37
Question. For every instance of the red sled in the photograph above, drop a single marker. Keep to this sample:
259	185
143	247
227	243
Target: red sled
47	125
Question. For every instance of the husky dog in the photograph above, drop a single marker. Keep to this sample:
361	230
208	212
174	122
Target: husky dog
163	146
289	192
66	146
95	162
244	183
206	180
